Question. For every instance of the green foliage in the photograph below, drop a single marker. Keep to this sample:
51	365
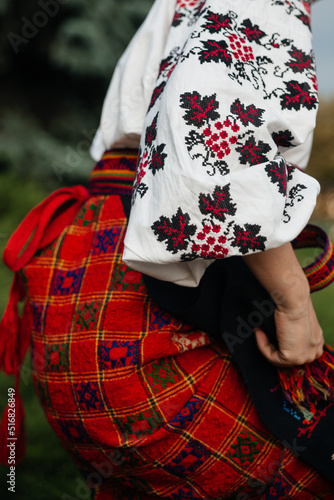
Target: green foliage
56	61
92	42
81	37
47	472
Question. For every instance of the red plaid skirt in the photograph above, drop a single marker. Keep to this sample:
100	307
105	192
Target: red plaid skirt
146	406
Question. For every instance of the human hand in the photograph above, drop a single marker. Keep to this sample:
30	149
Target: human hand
300	337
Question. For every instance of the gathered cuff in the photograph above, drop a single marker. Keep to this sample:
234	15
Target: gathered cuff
255	209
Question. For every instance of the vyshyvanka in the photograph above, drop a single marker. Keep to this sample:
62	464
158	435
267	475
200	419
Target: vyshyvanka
151	404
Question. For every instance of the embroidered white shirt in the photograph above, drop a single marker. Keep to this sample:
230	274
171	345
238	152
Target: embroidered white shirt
222	98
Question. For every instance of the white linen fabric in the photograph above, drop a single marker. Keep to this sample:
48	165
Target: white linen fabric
223	95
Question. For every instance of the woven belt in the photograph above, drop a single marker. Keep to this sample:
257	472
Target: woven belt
114	173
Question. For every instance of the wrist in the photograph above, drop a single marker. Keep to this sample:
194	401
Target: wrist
279	271
294	292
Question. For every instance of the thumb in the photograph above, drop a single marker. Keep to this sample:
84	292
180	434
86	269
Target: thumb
266	348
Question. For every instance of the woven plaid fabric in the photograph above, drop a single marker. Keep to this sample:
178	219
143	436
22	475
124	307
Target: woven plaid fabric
146	406
320	273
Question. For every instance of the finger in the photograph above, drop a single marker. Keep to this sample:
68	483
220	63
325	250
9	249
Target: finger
320	352
266	348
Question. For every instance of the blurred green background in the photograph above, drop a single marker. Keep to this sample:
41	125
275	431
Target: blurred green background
56	60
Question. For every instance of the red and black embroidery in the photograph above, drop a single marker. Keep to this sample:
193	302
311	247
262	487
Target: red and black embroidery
156	94
221	135
300	61
217	138
283	138
210	244
218	204
290	7
210	240
253	152
216	22
276	171
240	49
151	158
305	19
215	51
247	114
213	142
247	238
165	65
157	158
168	64
312	419
177	19
199	109
151	131
298	95
244	47
140	187
252	31
176	232
232	48
187	10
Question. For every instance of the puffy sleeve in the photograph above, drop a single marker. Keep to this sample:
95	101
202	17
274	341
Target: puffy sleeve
133	81
234	106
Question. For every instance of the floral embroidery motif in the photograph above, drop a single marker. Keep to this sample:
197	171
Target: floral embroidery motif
311	421
215	51
247	238
153	158
252	31
244	448
298	95
208	242
187	10
199	110
218	138
299	61
222	137
247	114
168	64
234	49
283	138
217	205
292	9
276	171
156	94
253	152
216	22
175	231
